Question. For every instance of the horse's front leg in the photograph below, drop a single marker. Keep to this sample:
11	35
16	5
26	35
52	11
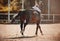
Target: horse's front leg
21	26
25	23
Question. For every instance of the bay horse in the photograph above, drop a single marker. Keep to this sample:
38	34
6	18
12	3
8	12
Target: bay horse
28	16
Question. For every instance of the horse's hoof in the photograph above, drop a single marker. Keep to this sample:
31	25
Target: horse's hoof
22	33
36	34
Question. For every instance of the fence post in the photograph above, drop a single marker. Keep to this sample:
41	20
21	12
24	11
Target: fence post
8	10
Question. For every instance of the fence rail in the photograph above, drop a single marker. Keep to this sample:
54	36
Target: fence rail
52	17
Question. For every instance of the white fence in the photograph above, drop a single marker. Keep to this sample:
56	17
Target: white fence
49	17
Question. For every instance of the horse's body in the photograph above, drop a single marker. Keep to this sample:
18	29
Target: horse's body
29	16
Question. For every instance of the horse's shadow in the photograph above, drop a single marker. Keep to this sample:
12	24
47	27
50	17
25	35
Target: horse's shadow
21	37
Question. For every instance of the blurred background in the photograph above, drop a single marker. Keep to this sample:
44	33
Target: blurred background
50	10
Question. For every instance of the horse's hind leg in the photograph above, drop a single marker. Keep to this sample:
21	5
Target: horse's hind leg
38	26
36	29
40	30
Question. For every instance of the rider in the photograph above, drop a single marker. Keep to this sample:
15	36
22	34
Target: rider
36	7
